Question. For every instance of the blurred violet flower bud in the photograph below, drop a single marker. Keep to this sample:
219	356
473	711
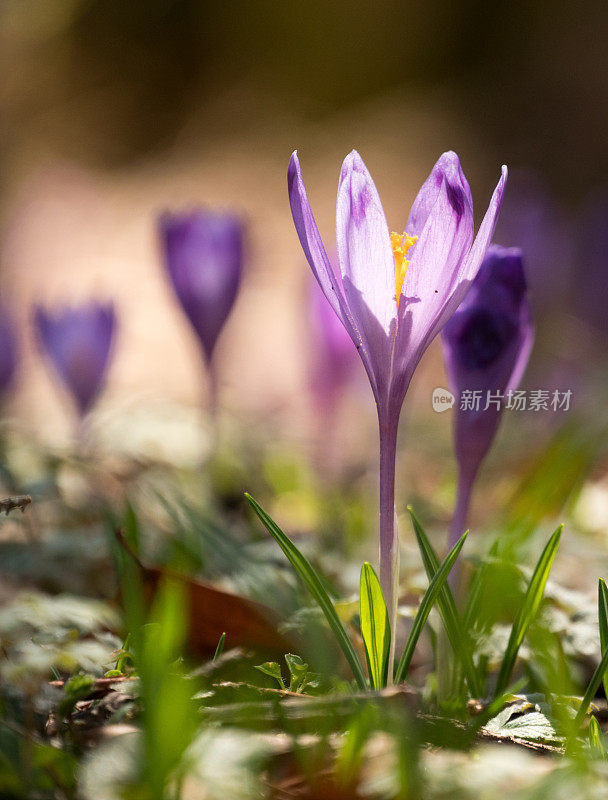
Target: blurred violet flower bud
333	354
332	365
8	351
78	342
486	346
203	254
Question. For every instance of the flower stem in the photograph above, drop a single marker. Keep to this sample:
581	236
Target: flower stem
466	481
213	390
210	407
82	433
389	538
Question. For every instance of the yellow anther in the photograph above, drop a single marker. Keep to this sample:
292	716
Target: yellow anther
401	243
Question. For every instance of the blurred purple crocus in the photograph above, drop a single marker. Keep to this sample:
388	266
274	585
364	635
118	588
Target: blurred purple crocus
78	343
8	351
203	253
333	359
486	346
394	293
332	352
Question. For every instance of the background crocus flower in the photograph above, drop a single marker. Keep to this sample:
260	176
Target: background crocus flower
332	351
8	351
486	346
333	358
203	254
78	342
396	293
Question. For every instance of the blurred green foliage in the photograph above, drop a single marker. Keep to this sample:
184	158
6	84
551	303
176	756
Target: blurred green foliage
163	722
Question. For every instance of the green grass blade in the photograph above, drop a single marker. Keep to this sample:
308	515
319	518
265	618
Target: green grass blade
599	673
447	609
474	597
315	586
594	684
428	601
528	611
602	592
474	602
375	627
220	647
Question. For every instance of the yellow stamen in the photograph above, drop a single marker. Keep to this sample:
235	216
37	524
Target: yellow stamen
401	243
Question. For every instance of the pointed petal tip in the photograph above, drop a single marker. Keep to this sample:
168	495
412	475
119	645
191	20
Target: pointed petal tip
353	161
504	174
347	163
353	165
502	182
294	172
499	250
448	159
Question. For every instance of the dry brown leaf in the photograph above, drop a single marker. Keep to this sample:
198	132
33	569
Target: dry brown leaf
214	611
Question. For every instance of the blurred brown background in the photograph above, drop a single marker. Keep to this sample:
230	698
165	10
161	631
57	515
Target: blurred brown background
112	111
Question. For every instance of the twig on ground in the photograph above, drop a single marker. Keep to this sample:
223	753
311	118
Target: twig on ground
9	504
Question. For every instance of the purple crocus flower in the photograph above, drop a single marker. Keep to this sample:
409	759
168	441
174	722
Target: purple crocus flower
8	351
393	306
203	252
486	346
77	342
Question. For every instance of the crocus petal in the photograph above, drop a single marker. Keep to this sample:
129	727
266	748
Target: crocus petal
525	348
316	255
310	239
485	232
366	262
432	274
442	245
432	295
472	262
453	288
448	164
